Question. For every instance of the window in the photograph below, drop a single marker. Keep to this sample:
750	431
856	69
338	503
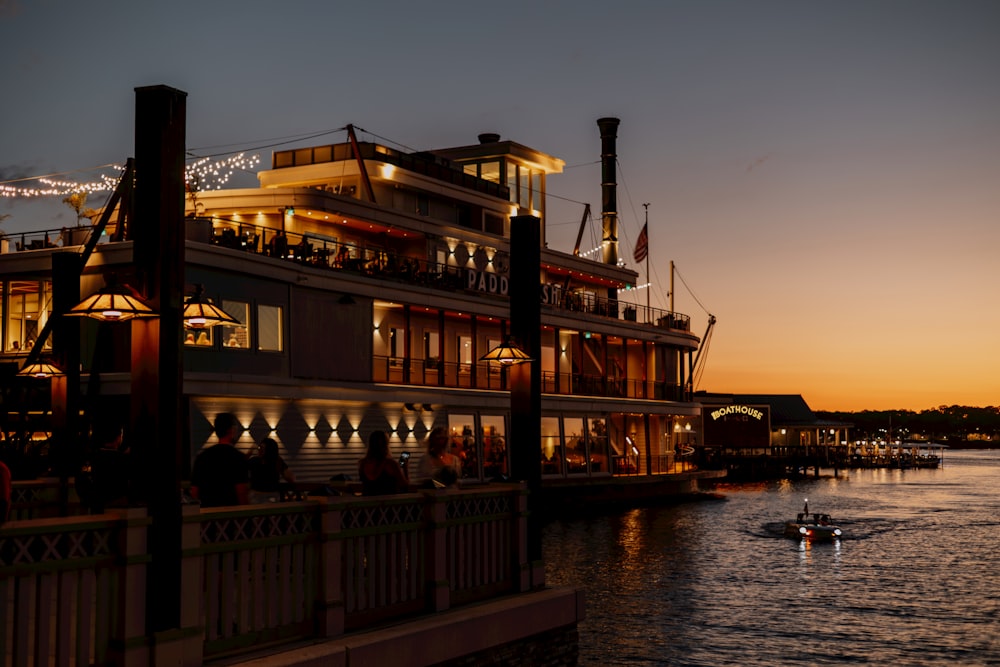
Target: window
465	353
493	436
552	451
431	349
463	444
270	336
237	335
30	302
576	445
397	343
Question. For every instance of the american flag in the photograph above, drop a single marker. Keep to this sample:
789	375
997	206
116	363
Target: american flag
642	245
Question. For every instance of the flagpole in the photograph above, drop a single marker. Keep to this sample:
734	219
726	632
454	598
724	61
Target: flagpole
649	317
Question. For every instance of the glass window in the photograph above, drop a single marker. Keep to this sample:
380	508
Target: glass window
512	182
597	443
30	304
576	445
493	435
552	451
237	335
463	444
431	349
490	171
465	353
270	336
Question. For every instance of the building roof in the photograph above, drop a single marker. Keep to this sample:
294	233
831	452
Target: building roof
787	410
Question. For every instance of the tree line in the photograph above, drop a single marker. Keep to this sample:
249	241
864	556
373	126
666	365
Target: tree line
954	424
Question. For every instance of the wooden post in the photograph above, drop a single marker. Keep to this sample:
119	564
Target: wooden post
330	596
157	424
437	586
526	378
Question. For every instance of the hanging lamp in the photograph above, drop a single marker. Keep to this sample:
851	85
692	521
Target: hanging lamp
200	312
507	353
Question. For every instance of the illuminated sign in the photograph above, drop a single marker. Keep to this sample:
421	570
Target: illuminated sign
738	410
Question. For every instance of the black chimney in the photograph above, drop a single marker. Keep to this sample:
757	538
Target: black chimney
489	138
609	194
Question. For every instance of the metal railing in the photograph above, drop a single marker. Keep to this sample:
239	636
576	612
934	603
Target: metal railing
481	375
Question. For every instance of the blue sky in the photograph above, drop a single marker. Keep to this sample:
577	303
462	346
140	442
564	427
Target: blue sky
824	174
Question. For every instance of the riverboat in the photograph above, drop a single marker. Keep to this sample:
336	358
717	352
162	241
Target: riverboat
364	285
814	527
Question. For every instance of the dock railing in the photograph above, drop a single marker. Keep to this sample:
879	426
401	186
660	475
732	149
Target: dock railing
73	589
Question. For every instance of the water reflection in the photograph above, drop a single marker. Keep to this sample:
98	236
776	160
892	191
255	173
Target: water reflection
712	583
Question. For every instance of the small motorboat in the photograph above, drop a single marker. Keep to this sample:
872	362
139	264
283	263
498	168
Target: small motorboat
816	527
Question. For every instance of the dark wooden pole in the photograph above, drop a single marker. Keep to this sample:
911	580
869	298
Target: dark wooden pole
157	415
526	379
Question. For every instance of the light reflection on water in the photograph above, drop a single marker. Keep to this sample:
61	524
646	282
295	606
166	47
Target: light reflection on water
915	581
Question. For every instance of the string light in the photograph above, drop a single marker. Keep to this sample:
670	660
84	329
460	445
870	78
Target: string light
202	174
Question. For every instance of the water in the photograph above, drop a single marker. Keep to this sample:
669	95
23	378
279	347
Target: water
915	581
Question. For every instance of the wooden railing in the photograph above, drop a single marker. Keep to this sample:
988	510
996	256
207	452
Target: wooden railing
72	590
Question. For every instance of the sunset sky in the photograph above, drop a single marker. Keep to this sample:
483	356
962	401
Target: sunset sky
826	175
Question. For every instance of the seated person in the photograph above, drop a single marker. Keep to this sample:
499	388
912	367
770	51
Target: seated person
379	473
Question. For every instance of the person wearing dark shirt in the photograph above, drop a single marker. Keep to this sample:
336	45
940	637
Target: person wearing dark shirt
267	470
220	475
380	474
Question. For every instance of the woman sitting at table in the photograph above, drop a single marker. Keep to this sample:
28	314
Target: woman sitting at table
379	473
267	470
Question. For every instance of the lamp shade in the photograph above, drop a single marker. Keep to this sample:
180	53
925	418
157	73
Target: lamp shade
40	371
201	313
113	303
506	353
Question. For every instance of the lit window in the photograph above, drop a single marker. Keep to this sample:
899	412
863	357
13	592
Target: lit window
237	335
270	336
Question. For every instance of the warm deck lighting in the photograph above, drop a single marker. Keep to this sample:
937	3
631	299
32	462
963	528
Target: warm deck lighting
41	371
200	312
113	303
507	353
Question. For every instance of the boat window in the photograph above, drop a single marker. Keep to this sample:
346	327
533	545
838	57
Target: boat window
493	436
463	444
552	449
237	335
270	336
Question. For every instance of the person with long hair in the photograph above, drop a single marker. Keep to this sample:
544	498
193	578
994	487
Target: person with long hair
267	471
379	473
438	464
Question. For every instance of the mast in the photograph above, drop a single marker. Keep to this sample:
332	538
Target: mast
671	286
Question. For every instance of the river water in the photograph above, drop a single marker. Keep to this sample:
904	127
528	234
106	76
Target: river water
915	580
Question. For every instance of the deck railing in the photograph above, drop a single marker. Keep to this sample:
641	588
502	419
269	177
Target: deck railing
72	590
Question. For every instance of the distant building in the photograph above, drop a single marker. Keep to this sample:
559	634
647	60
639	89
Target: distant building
773	424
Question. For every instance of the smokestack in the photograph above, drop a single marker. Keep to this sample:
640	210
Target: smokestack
609	194
609	189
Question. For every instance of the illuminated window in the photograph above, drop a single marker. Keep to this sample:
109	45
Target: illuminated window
270	335
552	450
30	303
237	335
